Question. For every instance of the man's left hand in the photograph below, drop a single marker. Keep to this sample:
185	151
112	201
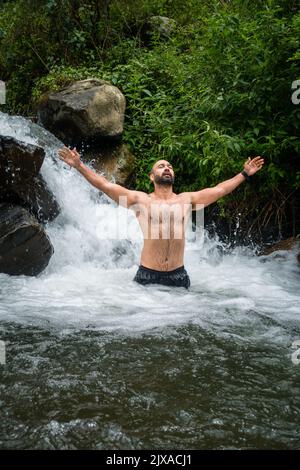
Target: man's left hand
252	166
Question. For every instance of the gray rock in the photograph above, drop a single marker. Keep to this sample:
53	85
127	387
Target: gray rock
19	161
287	244
24	246
157	27
36	195
161	25
86	110
283	245
20	180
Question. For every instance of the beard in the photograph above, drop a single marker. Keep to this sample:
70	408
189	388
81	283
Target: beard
164	180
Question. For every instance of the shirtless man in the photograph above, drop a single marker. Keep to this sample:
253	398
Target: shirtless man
161	214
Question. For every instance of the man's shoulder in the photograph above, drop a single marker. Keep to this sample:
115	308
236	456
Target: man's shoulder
185	197
141	196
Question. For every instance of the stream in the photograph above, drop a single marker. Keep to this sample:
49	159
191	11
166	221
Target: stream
97	361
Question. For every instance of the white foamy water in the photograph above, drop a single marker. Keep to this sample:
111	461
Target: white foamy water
89	280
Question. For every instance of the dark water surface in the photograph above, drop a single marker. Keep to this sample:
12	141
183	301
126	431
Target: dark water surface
180	388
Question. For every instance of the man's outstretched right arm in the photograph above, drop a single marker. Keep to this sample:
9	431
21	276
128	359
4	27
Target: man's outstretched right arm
114	191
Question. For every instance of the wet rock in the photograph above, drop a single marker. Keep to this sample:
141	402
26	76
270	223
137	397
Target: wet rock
19	161
36	195
24	246
117	163
283	245
287	244
20	181
85	110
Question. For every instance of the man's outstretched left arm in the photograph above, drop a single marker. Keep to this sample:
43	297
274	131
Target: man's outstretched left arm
209	195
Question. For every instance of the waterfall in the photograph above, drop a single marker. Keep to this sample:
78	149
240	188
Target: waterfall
89	277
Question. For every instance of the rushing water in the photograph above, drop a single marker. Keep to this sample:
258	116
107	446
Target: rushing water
94	360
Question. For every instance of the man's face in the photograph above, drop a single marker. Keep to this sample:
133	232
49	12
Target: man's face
162	173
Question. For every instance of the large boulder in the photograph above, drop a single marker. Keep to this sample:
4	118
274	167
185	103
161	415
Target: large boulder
20	181
24	246
86	110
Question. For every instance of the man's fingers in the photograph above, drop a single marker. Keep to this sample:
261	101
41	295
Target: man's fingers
65	149
67	155
257	161
64	153
74	152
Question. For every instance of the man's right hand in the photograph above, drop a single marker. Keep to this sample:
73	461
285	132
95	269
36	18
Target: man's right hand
70	156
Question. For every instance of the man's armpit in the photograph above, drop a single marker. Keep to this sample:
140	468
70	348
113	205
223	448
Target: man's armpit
137	200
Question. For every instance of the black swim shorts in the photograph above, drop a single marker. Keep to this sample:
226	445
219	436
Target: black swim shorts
178	277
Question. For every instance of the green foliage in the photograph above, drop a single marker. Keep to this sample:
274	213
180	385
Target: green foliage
217	91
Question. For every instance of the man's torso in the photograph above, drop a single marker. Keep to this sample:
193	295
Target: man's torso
163	225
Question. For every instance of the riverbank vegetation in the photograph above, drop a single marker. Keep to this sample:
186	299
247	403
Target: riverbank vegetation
213	90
